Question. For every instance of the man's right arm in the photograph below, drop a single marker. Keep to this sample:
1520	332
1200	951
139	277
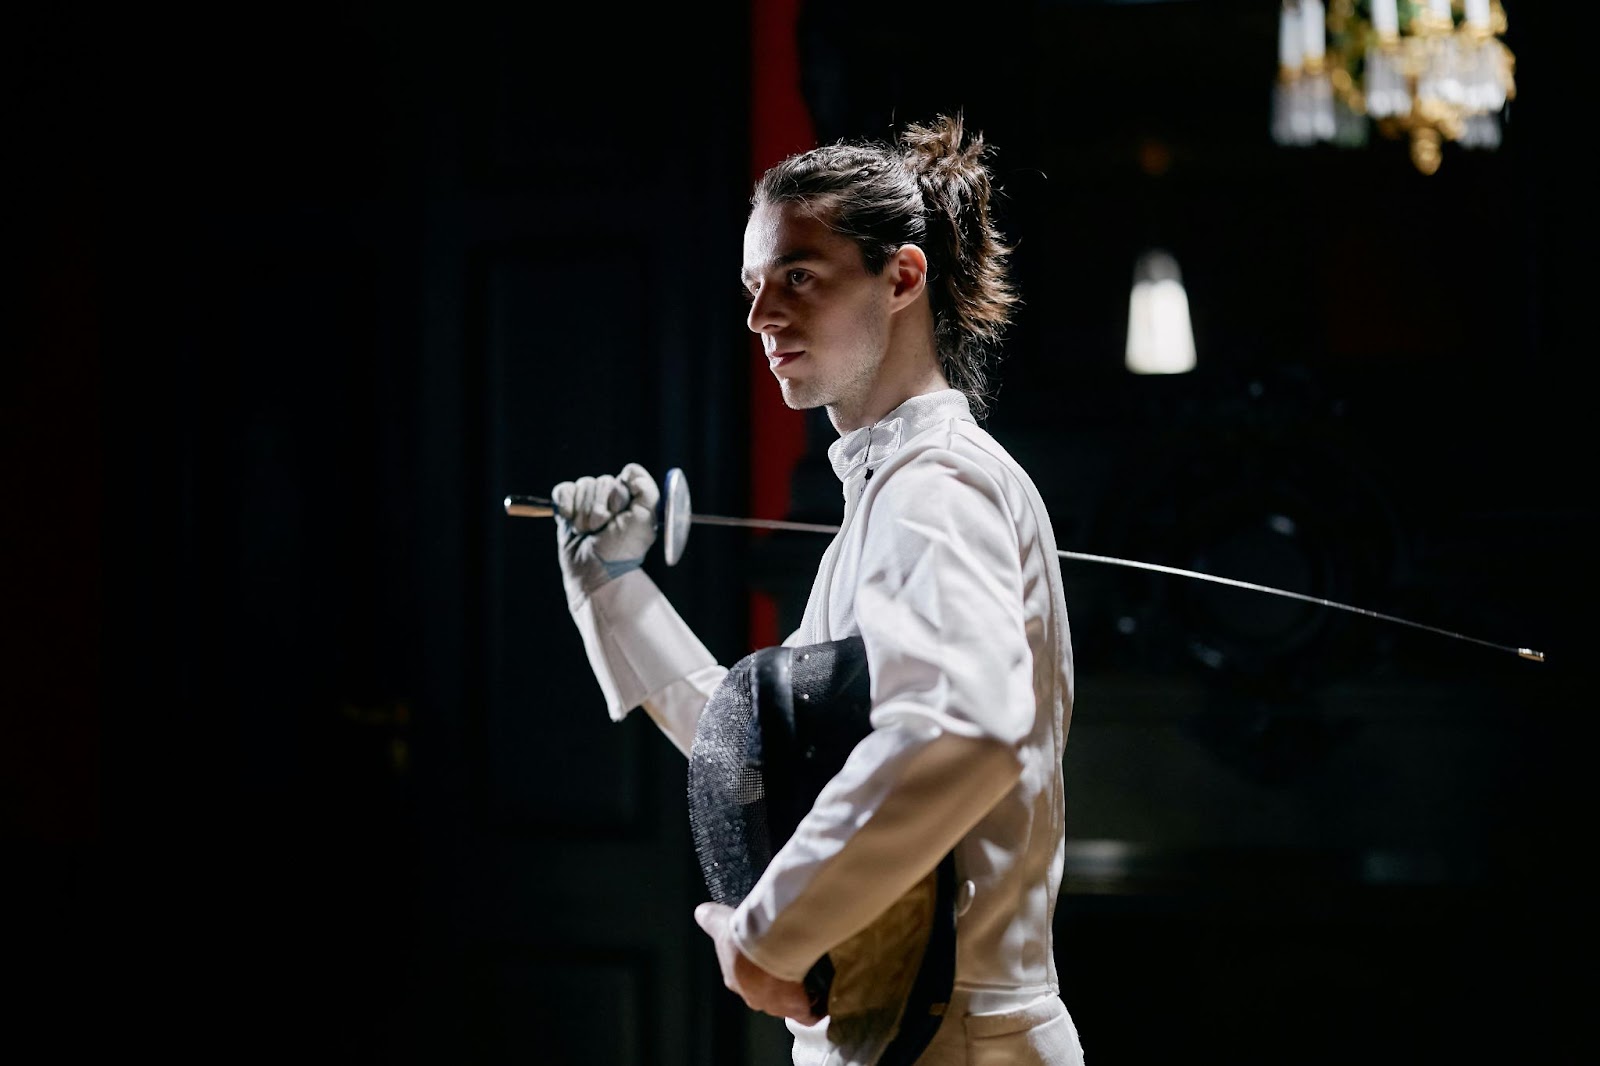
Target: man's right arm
645	655
641	650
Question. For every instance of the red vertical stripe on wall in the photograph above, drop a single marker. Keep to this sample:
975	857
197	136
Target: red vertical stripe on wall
779	126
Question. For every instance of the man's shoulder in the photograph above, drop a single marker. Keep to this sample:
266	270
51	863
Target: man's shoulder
966	441
968	448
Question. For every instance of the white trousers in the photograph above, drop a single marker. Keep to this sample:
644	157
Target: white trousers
1040	1034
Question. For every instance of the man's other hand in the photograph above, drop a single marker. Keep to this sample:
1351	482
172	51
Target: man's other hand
759	989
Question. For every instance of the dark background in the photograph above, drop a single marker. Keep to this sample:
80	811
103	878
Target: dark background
301	754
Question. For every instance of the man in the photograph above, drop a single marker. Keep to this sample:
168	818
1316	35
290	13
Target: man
877	284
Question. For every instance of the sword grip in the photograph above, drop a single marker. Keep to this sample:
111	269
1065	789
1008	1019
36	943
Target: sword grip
529	507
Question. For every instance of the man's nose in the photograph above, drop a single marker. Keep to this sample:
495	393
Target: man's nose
766	313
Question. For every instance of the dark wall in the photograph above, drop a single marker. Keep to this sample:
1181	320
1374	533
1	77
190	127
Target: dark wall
299	738
306	753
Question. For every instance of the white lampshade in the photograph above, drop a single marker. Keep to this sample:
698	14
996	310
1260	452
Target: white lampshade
1160	337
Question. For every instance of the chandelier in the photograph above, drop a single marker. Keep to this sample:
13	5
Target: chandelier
1430	71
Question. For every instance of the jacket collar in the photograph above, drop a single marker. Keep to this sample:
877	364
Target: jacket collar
871	445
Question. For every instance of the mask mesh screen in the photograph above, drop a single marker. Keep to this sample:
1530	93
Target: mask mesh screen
727	794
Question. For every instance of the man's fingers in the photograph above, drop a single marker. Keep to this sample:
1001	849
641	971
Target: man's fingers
800	1010
759	990
578	503
617	495
561	496
603	500
711	916
590	503
646	493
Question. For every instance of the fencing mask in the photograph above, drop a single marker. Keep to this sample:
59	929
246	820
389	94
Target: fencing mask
779	726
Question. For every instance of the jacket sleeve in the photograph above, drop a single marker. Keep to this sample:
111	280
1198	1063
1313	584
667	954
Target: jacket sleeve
939	605
644	654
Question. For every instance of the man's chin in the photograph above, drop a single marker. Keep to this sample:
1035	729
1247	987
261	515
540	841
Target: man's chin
799	398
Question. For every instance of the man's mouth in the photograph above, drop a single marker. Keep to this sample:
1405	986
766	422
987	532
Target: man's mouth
777	360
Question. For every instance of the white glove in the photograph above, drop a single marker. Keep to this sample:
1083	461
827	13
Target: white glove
604	527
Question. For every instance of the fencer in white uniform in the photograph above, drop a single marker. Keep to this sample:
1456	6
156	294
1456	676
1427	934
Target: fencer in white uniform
946	565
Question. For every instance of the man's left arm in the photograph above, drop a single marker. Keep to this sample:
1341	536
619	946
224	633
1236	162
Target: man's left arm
939	605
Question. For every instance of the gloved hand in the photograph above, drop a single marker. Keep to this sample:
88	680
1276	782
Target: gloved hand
604	527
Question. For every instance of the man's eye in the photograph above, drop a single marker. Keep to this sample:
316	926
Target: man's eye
797	276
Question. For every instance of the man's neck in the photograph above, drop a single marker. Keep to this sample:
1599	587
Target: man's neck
885	398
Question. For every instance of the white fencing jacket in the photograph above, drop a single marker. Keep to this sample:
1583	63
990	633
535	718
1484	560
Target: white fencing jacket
946	565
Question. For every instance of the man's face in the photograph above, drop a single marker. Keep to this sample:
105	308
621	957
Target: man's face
822	319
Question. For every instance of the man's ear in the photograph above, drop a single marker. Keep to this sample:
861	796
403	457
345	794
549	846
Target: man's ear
908	271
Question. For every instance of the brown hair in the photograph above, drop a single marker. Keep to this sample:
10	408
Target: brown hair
932	189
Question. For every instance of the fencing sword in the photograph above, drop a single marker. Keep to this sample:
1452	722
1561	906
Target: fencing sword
674	515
